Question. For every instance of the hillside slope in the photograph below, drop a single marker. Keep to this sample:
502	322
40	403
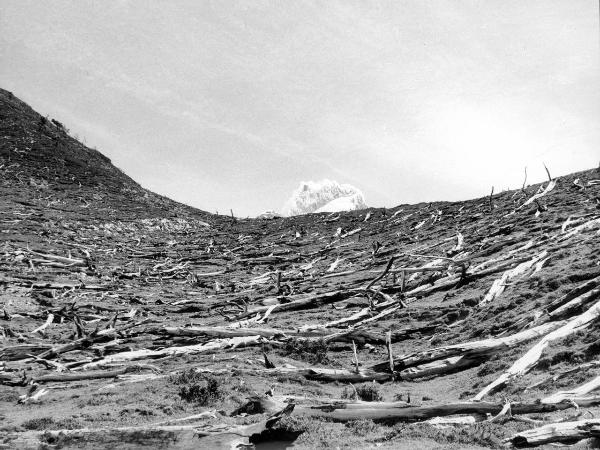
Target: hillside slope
42	166
127	317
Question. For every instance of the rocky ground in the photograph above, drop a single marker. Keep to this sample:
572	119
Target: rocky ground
129	320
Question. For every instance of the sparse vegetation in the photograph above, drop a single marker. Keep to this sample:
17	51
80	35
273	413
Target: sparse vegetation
49	423
367	392
200	389
39	423
361	427
312	351
489	435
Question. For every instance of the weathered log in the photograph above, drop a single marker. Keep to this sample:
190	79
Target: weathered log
49	285
438	367
577	392
400	412
87	340
22	351
211	346
186	436
383	273
561	432
45	325
470	350
363	317
564	373
78	376
499	285
210	413
574	293
310	301
576	304
329	375
530	359
362	336
549	187
452	280
61	259
222	332
578	229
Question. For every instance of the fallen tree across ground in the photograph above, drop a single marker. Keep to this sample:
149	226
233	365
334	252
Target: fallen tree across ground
532	356
218	437
473	351
558	432
405	412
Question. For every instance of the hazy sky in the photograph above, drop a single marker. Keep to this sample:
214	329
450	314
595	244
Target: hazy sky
230	104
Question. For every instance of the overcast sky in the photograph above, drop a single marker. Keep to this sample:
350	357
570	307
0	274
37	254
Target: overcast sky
230	104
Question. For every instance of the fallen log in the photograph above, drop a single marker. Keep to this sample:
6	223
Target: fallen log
577	292
222	332
22	351
403	412
469	350
438	367
549	187
578	229
45	325
364	316
185	436
61	259
530	359
86	340
575	304
310	301
67	377
560	432
210	413
452	280
272	333
211	346
577	392
362	336
49	285
329	375
562	374
500	284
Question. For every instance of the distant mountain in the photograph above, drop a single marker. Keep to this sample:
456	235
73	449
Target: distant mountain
268	215
323	196
348	203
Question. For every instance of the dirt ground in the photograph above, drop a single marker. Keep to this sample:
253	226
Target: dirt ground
150	263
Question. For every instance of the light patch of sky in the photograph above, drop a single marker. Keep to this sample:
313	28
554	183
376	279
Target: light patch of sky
230	104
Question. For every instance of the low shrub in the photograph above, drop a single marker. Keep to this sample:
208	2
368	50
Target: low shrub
367	392
197	388
312	351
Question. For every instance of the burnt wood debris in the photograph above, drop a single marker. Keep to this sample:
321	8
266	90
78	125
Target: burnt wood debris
106	288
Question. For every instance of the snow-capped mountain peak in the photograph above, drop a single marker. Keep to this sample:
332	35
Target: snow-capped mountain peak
323	196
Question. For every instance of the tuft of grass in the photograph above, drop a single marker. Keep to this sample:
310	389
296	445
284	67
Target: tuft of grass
312	351
48	423
39	423
197	388
186	377
367	392
483	434
361	427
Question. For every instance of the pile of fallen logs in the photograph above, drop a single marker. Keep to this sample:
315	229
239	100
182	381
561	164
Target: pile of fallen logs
237	289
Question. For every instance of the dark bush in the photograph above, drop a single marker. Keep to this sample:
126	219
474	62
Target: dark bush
197	388
367	392
313	351
39	423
